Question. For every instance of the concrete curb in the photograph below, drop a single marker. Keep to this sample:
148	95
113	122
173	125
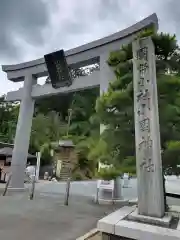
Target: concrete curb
110	202
92	233
102	201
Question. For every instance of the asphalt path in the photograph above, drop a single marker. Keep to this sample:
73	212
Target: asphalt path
88	188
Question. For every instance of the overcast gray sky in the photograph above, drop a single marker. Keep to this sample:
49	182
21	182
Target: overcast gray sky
31	28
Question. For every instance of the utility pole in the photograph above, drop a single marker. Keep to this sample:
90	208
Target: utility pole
68	183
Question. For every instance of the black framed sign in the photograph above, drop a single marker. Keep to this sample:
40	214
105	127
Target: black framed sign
58	69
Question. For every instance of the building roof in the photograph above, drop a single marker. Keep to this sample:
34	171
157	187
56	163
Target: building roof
63	144
7	152
3	144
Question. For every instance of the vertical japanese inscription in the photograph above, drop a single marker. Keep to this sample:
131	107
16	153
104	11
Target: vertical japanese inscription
145	149
143	109
59	70
143	97
142	53
148	157
144	125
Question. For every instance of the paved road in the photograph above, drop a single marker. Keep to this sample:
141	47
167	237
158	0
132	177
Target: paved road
88	188
46	218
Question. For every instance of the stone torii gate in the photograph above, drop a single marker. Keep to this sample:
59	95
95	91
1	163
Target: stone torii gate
93	52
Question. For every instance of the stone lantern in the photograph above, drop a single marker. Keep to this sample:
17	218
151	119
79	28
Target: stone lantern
65	159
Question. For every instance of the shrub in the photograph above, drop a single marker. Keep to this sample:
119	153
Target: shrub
109	173
77	177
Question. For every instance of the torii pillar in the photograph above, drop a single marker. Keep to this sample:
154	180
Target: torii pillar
97	51
23	131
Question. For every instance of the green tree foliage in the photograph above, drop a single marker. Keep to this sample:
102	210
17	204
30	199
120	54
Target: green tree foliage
45	130
171	157
57	103
83	128
116	109
8	119
83	122
109	173
50	121
85	163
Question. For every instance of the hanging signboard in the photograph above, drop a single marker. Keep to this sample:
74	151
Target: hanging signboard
58	69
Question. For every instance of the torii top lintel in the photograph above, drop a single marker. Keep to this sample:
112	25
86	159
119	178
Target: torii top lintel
82	55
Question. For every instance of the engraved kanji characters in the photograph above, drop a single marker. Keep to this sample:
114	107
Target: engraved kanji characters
145	148
141	82
144	125
59	69
143	75
148	165
142	54
143	107
146	142
143	98
143	67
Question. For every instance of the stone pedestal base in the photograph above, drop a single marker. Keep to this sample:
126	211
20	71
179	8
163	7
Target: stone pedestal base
118	226
164	222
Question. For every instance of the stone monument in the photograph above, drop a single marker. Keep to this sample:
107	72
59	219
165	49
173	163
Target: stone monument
148	220
147	134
